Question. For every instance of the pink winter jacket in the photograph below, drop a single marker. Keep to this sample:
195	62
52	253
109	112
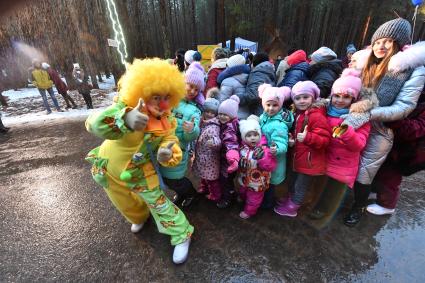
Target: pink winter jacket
207	158
343	154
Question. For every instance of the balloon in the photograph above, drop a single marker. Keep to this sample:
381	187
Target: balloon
417	2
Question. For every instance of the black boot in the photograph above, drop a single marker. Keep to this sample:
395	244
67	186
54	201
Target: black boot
354	216
3	129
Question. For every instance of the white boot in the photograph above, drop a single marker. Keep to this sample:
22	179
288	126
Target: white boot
135	228
181	251
379	210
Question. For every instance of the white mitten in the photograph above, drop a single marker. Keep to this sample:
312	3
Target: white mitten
135	119
165	153
355	120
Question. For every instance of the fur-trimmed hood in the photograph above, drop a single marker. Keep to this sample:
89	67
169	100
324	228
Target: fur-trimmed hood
411	57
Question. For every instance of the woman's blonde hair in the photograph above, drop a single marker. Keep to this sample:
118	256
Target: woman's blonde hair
148	77
375	68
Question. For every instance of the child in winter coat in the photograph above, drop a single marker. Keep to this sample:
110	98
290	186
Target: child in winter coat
137	136
235	82
229	153
207	152
256	163
312	136
343	154
275	123
188	115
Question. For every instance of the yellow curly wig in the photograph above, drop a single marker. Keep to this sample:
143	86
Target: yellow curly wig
148	77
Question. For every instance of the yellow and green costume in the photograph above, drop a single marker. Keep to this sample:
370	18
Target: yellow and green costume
123	166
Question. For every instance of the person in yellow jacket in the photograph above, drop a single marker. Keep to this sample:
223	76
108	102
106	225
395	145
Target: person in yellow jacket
139	133
41	80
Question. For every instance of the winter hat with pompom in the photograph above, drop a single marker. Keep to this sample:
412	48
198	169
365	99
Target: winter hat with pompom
268	93
230	107
251	124
305	87
191	56
296	57
195	75
349	83
235	60
211	103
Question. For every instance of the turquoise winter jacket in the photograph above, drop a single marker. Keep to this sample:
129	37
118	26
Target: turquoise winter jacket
276	129
185	111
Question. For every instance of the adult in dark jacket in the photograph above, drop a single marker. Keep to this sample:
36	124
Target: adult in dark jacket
83	86
324	69
298	69
262	73
406	158
61	86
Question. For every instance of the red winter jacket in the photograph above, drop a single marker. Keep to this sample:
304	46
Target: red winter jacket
309	156
343	154
212	78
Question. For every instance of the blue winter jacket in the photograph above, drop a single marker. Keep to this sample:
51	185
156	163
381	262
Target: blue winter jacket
230	72
276	129
185	111
263	73
296	73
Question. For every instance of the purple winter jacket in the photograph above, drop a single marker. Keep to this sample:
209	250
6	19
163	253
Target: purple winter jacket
207	158
408	152
230	137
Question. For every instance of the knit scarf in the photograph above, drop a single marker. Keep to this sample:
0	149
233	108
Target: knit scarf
390	86
337	112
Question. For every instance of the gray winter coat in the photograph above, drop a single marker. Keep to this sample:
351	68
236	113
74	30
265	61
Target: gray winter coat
393	106
236	86
263	73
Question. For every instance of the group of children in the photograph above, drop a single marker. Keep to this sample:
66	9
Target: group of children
161	117
254	150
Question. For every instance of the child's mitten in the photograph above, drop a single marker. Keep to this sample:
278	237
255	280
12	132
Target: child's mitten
232	157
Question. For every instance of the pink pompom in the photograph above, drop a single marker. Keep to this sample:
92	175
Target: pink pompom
284	92
262	88
350	72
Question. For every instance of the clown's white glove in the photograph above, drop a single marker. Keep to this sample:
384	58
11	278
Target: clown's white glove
135	119
165	153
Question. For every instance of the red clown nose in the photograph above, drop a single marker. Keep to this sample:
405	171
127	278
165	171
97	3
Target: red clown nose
164	105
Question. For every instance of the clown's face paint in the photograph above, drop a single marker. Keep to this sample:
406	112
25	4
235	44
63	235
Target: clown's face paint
158	104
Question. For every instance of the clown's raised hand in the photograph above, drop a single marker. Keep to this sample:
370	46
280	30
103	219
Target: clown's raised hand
135	119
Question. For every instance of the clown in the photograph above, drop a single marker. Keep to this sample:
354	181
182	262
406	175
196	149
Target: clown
139	136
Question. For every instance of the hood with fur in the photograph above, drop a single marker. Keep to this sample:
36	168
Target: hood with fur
411	57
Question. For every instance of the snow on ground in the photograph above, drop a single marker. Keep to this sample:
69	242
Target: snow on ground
26	105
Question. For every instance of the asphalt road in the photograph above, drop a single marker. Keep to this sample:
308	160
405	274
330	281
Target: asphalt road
57	225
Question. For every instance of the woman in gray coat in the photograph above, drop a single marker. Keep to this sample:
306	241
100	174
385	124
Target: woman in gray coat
397	77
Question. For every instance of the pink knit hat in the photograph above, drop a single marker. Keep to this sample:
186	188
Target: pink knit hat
349	83
230	107
195	75
279	94
305	87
